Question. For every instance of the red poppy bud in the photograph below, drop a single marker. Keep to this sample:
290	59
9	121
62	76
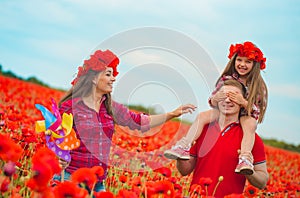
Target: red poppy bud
9	168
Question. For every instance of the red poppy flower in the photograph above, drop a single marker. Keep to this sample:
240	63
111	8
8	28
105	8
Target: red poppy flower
173	179
4	183
137	190
35	187
28	135
123	178
123	193
136	181
9	150
44	166
47	157
250	191
42	174
98	171
103	194
177	187
69	189
85	176
205	181
164	188
164	171
47	193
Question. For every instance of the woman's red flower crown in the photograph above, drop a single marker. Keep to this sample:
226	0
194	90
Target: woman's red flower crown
99	61
249	50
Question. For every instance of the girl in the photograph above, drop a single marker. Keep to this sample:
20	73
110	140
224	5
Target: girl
95	114
246	61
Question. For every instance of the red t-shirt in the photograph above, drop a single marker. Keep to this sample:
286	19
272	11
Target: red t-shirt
216	153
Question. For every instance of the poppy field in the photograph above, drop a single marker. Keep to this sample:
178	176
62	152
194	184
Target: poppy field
137	167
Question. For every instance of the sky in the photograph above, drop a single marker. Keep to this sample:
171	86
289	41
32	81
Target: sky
171	52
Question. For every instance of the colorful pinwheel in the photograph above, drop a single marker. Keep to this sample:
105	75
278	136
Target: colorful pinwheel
60	136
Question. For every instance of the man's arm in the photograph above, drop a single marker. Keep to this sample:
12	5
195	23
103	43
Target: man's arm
260	176
185	167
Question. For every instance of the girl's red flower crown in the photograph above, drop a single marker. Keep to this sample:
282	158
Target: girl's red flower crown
249	50
99	61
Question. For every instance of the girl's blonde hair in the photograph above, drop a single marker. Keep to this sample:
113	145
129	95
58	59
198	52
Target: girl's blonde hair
257	89
83	88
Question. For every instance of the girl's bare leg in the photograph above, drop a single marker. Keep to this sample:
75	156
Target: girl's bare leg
249	126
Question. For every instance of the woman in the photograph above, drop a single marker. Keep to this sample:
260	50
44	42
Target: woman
95	113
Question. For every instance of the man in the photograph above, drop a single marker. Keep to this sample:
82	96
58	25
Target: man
215	152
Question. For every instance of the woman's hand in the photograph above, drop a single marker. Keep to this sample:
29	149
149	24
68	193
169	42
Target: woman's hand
64	164
183	109
159	119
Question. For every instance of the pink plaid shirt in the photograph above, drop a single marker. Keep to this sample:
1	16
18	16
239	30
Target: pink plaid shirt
95	131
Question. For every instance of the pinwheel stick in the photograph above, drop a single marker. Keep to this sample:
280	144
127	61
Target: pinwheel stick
63	175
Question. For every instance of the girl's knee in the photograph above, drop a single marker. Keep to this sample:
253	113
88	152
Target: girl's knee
202	117
248	122
208	116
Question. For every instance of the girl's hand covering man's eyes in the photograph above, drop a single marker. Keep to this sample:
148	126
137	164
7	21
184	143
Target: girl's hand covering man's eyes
218	97
236	97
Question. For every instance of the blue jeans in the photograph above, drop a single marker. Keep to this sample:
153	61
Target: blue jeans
98	187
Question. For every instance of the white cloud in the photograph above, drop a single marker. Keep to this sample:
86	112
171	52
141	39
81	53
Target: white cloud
138	57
